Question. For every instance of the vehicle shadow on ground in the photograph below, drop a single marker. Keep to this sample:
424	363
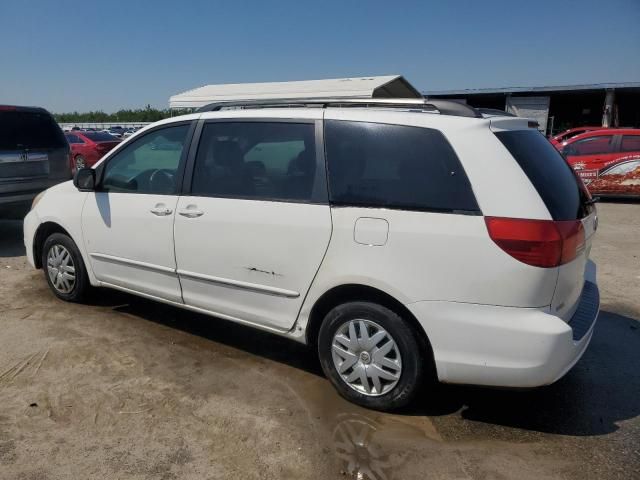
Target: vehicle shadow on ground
602	390
623	200
11	243
247	339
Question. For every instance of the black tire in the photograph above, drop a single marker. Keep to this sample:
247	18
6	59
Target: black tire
81	286
406	340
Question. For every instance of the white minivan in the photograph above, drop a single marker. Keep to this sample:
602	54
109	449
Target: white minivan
401	238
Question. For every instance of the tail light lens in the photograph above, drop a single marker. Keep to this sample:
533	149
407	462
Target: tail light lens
540	243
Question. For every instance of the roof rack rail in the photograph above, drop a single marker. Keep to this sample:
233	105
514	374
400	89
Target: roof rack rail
444	107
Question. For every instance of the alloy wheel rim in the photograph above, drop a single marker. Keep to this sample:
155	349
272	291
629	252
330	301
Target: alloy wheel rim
366	357
79	162
61	269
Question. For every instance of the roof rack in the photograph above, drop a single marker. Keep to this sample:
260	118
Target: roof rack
444	107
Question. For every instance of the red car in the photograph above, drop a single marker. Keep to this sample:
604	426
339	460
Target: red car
619	180
89	147
591	152
559	140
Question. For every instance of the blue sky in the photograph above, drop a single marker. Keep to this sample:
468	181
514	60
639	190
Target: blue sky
73	55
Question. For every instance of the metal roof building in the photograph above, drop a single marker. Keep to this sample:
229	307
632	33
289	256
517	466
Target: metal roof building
388	86
559	107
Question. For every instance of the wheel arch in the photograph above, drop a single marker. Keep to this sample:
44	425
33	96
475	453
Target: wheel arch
42	233
357	292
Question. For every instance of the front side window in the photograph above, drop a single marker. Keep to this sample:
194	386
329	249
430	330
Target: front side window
393	166
147	165
590	146
256	160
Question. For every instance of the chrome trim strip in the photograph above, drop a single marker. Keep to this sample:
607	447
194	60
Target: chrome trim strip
259	326
22	156
135	263
239	284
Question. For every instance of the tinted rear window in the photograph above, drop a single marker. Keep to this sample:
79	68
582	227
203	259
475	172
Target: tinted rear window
549	173
393	166
22	130
100	136
74	139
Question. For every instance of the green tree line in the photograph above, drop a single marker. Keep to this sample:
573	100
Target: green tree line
147	114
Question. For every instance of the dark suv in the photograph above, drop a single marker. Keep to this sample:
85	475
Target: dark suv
34	155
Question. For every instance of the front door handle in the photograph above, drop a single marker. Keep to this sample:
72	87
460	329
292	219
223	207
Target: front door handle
161	211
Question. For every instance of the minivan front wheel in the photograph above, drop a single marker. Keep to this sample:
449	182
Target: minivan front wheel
64	269
371	355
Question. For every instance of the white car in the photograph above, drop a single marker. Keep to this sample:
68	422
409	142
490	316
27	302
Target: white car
400	238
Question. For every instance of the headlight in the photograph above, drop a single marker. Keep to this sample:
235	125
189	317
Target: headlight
37	199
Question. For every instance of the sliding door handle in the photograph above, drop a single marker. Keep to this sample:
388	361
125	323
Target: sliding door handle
191	213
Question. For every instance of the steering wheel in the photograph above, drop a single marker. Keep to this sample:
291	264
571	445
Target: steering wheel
161	181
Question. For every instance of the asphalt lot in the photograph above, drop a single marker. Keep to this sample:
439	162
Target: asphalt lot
126	388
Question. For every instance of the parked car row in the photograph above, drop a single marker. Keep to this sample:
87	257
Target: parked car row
607	159
116	131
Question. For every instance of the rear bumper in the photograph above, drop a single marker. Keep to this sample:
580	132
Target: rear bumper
506	346
21	192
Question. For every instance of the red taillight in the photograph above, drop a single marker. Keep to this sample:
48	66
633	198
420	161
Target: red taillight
540	243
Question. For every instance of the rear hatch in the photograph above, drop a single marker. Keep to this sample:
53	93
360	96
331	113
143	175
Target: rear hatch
32	147
568	202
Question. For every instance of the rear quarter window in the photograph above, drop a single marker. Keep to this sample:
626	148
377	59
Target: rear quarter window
395	166
549	173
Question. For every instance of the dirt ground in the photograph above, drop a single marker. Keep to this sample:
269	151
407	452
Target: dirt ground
126	388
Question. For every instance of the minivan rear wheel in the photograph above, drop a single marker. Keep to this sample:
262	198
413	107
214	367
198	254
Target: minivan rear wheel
371	355
64	269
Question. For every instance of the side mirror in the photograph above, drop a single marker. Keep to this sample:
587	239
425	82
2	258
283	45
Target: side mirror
85	179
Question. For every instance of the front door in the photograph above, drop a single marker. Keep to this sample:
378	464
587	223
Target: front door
128	222
252	235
